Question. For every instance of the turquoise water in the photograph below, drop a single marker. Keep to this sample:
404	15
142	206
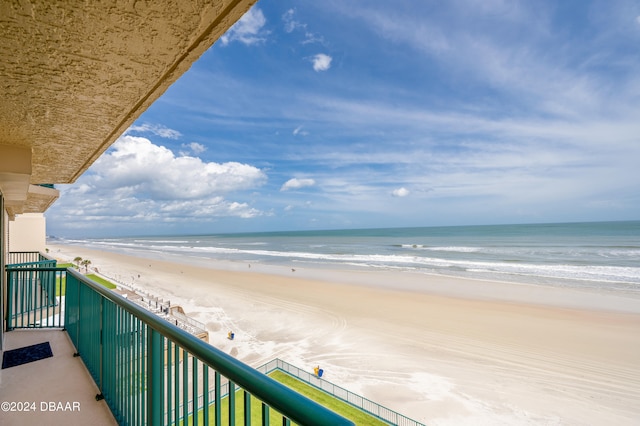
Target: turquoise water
602	255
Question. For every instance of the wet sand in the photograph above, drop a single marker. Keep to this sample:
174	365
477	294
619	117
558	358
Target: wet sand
441	350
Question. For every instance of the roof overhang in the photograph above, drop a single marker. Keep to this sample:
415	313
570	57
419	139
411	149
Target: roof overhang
75	75
38	200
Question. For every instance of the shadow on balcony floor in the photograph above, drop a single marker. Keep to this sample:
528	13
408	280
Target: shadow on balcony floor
54	391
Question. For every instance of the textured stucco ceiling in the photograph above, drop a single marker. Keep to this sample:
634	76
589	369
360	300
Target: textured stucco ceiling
75	74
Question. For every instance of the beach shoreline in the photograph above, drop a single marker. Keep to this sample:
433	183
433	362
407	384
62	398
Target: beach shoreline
446	351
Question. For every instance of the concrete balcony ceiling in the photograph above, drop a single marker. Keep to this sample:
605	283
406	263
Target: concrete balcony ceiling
75	74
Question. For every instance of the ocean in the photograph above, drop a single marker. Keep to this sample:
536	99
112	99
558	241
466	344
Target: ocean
598	255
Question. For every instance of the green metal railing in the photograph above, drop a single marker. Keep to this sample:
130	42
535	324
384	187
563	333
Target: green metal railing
32	295
366	405
16	257
151	372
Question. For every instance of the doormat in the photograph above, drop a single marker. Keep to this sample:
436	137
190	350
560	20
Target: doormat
27	354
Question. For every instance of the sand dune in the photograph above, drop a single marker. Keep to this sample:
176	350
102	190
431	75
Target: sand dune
441	350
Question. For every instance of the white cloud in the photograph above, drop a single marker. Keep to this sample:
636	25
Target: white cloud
155	129
312	38
536	70
193	147
321	62
137	164
99	214
290	24
137	181
296	183
400	192
248	30
298	131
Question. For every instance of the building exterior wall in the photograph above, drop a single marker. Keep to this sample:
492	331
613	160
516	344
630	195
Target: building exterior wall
3	249
28	233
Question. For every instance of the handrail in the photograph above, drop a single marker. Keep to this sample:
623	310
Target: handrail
31	295
40	264
34	268
295	406
370	407
26	256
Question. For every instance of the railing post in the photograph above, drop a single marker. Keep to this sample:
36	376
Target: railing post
205	394
9	299
102	347
218	397
79	316
247	408
265	414
155	385
194	397
232	404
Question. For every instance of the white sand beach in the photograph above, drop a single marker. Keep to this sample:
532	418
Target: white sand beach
441	350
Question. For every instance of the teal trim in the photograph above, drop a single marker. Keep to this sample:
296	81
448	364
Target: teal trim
218	397
185	384
155	409
247	408
205	400
232	403
194	392
265	414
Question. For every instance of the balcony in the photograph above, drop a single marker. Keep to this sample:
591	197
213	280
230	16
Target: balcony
61	379
125	365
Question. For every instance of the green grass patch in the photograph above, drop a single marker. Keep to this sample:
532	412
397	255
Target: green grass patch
61	285
61	282
61	279
334	404
275	418
358	417
102	281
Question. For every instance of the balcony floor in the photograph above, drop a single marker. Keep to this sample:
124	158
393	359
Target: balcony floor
59	379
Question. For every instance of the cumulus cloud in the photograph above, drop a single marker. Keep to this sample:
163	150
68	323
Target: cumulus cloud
155	129
135	163
248	30
400	192
321	62
138	181
296	183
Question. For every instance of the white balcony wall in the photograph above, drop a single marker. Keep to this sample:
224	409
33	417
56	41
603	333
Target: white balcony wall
28	232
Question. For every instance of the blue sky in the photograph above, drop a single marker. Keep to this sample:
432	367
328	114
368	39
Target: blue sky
358	114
